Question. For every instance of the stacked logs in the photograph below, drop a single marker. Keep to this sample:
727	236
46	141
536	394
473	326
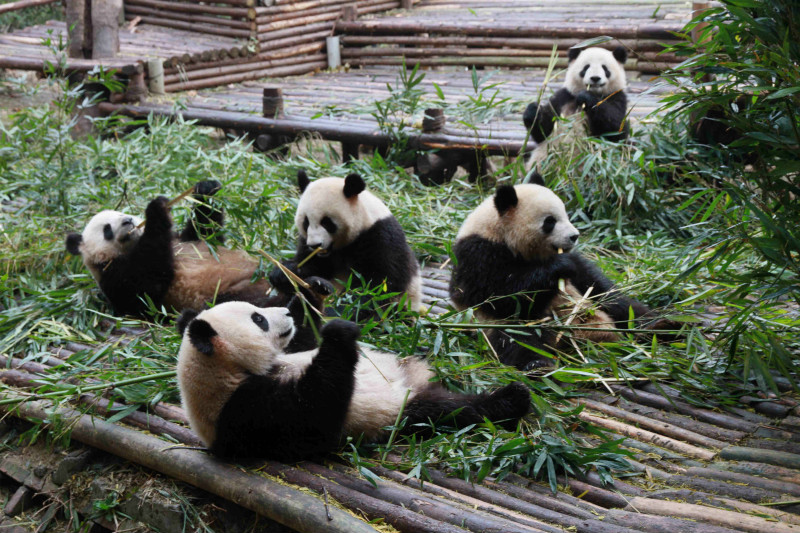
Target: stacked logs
283	38
520	34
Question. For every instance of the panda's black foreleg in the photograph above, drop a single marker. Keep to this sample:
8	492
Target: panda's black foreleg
607	116
506	406
540	119
516	350
207	218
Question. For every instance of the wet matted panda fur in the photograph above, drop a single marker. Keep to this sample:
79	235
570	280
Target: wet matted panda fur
131	264
508	267
357	233
595	81
246	397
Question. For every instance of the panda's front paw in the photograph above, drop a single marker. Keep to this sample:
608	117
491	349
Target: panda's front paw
278	279
320	286
586	100
340	332
157	214
529	116
207	187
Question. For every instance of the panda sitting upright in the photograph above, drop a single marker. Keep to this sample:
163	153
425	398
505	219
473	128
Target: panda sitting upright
509	262
355	232
595	81
131	264
246	397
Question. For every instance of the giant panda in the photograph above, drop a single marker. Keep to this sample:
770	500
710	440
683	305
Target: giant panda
246	397
595	81
356	233
509	262
132	265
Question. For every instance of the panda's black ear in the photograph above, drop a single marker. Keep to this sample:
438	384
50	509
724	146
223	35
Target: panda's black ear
574	53
200	335
74	241
353	185
302	180
620	54
505	198
187	316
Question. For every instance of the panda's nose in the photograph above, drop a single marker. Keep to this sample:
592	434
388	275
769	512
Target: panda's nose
595	79
574	238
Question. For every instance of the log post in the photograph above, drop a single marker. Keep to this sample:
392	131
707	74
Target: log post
433	121
350	13
272	102
155	74
105	27
137	90
332	47
79	28
406	4
272	108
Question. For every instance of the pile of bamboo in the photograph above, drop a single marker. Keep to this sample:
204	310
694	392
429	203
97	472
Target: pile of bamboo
516	34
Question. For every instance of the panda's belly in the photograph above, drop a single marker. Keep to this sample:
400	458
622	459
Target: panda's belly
382	381
201	275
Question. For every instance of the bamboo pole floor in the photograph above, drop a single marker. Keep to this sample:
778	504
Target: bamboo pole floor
696	470
330	100
26	49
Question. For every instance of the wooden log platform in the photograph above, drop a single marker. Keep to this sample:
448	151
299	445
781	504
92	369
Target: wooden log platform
513	34
337	105
698	470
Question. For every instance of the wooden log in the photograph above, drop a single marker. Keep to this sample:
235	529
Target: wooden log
662	428
754	481
188	18
705	415
742	492
563	45
79	28
286	505
22	4
189	7
721	517
702	498
200	28
335	132
286	67
604	498
759	469
649	436
772	457
105	27
544	496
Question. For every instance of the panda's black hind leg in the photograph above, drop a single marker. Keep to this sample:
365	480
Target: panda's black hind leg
521	357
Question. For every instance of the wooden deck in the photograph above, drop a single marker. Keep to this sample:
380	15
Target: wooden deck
724	469
26	48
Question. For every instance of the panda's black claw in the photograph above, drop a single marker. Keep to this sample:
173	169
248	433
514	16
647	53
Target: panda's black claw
586	99
320	286
279	280
340	332
207	187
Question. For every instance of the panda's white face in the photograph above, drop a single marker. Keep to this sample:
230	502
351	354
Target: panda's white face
239	335
597	70
530	219
328	219
108	234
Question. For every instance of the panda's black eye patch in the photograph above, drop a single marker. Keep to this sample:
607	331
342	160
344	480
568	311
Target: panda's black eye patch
583	70
329	225
305	224
108	233
549	224
608	72
260	321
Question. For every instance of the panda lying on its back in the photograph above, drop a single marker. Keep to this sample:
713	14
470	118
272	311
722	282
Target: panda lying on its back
130	263
356	232
246	397
509	266
595	81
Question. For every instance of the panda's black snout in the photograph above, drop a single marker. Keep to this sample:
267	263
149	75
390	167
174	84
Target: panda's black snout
574	238
595	79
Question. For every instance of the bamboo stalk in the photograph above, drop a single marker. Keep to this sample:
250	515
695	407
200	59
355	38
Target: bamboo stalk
721	517
286	505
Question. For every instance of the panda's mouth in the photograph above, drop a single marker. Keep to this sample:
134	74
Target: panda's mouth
286	333
563	248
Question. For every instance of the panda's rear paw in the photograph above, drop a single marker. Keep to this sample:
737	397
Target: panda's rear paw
508	404
340	332
320	286
207	187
